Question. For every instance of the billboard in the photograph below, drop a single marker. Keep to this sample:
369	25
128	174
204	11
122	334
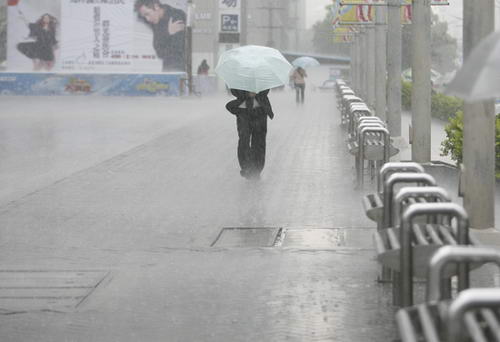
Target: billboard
356	14
40	84
384	2
343	34
94	36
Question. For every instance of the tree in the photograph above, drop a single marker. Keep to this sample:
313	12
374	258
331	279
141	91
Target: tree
323	36
443	46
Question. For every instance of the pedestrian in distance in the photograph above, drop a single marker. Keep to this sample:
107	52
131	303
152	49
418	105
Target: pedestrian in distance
251	112
203	68
169	26
298	76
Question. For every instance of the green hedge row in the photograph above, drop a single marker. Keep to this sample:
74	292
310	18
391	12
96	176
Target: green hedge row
442	106
450	108
453	143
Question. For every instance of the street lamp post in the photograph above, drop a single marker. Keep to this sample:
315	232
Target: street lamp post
189	45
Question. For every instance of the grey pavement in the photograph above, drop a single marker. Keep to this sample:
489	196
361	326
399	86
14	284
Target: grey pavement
112	217
111	206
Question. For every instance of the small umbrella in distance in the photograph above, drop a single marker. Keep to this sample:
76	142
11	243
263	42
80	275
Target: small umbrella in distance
305	62
479	77
253	68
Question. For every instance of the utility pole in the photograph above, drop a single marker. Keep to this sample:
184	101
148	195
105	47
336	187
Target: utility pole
421	81
479	126
394	67
270	41
370	60
380	62
297	26
353	66
364	63
244	22
189	45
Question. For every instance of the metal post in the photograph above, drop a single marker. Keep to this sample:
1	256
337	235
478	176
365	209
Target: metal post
270	41
352	73
421	79
362	70
359	65
479	127
364	58
370	60
189	45
353	63
244	22
380	62
394	67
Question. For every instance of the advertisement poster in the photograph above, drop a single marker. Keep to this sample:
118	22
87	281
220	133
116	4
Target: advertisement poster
343	34
94	36
33	35
380	2
356	14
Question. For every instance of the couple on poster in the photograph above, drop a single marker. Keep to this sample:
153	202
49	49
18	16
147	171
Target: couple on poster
40	42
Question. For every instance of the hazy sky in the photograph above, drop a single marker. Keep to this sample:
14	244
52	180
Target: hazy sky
315	10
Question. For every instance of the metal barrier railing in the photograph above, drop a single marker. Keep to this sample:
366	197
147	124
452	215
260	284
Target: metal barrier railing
406	252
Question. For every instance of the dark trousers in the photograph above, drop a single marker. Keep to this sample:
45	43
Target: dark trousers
299	90
252	129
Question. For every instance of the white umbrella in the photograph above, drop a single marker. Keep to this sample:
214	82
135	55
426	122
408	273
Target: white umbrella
253	68
479	77
305	62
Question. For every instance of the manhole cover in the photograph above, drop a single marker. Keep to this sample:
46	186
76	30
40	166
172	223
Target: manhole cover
34	290
248	237
326	238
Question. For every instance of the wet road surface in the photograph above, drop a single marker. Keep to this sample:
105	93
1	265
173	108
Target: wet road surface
136	192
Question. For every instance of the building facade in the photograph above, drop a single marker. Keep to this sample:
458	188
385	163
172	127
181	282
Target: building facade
220	25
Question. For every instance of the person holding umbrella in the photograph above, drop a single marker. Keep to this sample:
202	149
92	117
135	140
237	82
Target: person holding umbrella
299	74
299	82
249	72
251	112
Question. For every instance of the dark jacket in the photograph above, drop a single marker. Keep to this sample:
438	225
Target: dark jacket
170	48
242	95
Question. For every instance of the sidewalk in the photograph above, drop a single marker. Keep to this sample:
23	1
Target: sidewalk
122	249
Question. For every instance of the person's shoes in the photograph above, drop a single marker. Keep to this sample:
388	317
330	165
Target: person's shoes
244	174
250	175
254	176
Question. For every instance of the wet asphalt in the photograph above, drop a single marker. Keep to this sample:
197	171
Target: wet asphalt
112	220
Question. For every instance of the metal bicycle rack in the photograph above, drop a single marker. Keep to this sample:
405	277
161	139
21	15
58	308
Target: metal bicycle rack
413	194
400	177
372	203
357	116
460	236
472	316
377	149
387	242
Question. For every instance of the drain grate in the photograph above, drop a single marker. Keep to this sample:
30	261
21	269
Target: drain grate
328	238
248	237
36	290
308	238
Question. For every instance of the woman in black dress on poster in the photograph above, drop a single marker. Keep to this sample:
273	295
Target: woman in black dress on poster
41	51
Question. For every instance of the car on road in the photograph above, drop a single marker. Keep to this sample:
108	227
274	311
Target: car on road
328	85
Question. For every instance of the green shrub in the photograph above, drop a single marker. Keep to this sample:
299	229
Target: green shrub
453	144
445	107
497	147
442	107
406	95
